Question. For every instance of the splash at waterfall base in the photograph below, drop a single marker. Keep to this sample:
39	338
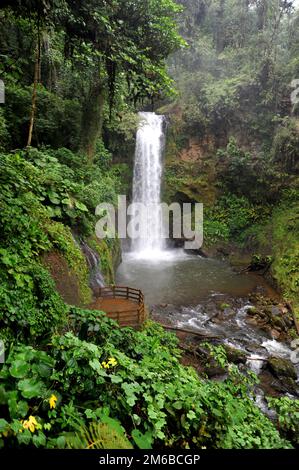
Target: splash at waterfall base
134	221
148	222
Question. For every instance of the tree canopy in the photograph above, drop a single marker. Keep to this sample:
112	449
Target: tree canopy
95	51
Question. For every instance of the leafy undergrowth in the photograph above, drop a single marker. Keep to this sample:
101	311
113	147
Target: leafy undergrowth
45	197
227	220
71	377
95	380
285	224
279	238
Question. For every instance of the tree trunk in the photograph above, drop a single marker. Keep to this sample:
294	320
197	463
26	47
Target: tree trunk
34	93
262	9
220	27
92	119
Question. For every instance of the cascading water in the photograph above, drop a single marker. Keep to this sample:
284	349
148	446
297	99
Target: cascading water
147	185
190	292
94	265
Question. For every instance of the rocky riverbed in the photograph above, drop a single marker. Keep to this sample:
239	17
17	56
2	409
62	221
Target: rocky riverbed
256	332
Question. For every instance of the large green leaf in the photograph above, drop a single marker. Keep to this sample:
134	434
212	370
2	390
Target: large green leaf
54	197
143	441
39	440
3	425
19	369
17	408
31	388
82	207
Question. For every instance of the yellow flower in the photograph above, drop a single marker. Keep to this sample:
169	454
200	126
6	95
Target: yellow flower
30	423
53	399
112	362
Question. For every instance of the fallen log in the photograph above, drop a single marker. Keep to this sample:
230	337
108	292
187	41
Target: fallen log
190	332
197	351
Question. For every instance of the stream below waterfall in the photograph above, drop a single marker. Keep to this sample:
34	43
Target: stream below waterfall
203	295
206	296
179	278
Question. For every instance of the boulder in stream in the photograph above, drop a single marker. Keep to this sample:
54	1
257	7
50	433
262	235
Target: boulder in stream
281	368
236	356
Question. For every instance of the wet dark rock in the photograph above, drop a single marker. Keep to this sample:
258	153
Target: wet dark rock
211	309
275	311
225	314
275	334
236	356
253	321
279	322
271	316
273	387
289	321
281	368
229	312
213	370
220	378
287	385
217	320
253	347
263	316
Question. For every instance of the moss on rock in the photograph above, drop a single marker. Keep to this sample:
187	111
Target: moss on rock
68	265
109	251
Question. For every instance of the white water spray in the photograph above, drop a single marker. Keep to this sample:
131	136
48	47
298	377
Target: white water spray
147	185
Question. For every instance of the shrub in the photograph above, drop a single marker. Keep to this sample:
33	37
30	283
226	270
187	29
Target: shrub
230	217
285	149
133	381
287	411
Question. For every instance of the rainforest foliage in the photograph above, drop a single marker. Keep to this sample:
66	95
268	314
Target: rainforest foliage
235	125
75	73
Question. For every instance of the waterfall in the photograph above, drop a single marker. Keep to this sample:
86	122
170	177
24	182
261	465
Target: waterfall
147	185
94	265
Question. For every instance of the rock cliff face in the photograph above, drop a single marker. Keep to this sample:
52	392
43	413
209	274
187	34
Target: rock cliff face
194	173
73	288
189	165
75	276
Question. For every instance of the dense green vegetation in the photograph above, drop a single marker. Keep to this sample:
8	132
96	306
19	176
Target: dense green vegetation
95	372
234	140
75	74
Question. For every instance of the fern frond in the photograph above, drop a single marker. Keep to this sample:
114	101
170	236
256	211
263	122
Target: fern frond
98	436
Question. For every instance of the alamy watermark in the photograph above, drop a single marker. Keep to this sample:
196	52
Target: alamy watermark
158	221
2	92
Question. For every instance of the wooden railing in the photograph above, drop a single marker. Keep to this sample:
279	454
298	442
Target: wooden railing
125	314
